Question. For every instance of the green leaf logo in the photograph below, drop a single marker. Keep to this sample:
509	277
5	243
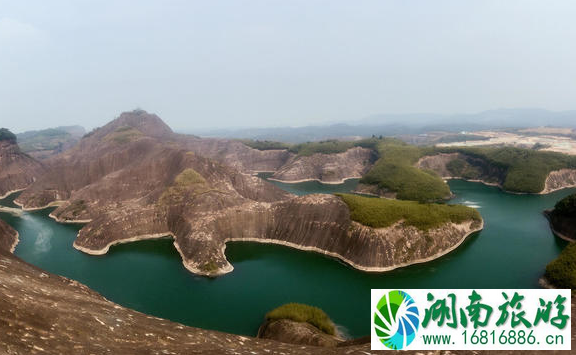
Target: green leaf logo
396	320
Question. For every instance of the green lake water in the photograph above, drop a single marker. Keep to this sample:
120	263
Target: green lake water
512	252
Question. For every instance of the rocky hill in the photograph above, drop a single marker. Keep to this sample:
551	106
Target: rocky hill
134	179
17	169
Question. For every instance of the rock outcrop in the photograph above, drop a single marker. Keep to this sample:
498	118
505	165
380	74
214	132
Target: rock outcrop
17	170
326	168
292	332
8	237
132	179
42	313
560	179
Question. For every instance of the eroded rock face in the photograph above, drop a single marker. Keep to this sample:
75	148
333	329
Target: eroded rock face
559	179
42	313
327	168
8	237
17	170
132	179
291	332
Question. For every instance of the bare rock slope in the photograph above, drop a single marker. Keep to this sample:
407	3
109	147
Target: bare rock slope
134	179
42	313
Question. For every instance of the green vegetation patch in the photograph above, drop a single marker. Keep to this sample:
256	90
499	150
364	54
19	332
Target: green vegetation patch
6	135
395	171
332	146
526	169
303	313
124	134
188	183
561	272
566	207
381	212
209	266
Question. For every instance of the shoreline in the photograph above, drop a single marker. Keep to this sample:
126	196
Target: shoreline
229	267
51	204
370	269
106	248
554	231
320	181
11	192
15	244
69	221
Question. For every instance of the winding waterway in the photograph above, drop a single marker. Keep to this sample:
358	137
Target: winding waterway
512	251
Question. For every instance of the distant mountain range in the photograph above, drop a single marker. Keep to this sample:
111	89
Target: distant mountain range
402	124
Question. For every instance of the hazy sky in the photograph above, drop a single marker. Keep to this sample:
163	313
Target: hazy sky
214	63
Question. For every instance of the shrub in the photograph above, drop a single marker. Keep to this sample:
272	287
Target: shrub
566	207
561	272
381	212
303	313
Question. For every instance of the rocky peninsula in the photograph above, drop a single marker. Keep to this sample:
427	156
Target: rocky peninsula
133	179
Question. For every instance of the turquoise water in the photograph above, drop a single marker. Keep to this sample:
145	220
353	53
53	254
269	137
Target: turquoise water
512	251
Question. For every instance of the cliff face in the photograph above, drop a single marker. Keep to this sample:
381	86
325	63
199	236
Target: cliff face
8	237
132	179
47	314
17	170
331	168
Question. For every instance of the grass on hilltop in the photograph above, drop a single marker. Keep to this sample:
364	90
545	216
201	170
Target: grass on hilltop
381	212
188	179
303	313
123	135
